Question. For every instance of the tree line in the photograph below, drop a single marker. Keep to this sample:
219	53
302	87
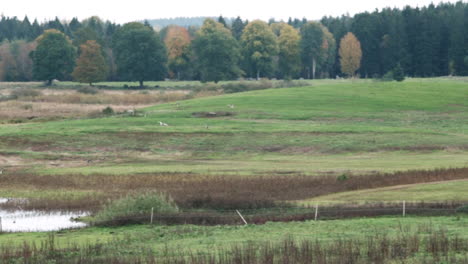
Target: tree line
421	42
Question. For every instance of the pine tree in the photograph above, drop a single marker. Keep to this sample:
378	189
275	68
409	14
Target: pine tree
398	74
237	28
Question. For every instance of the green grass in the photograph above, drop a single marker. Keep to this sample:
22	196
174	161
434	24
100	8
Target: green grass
329	126
440	191
209	239
358	163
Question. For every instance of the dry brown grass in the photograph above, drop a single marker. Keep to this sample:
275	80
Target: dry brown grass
52	103
24	110
225	192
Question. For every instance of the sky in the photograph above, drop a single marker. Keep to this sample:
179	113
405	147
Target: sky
122	11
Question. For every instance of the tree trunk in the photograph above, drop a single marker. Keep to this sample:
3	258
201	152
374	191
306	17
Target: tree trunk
258	75
49	82
141	84
314	66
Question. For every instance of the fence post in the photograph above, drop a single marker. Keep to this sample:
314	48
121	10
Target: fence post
0	224
316	211
245	222
404	208
152	213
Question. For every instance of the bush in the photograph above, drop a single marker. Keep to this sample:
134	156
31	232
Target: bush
108	111
463	209
88	90
388	77
342	177
24	92
137	205
244	86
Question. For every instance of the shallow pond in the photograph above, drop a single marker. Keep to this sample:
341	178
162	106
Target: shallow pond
35	221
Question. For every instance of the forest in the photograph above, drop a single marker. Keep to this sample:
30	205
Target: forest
417	42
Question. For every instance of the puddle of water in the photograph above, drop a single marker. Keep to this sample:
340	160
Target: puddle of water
37	221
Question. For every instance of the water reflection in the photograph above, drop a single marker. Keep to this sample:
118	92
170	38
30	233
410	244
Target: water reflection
34	221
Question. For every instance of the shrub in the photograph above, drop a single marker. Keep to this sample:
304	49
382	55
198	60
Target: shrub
342	177
463	209
388	77
108	111
398	74
137	205
88	90
24	92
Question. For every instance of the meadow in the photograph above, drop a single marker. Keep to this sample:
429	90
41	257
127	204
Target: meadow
330	142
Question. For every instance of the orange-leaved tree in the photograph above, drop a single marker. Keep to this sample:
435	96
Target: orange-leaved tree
177	42
350	54
91	66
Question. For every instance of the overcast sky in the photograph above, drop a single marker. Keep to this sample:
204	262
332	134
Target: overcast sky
130	10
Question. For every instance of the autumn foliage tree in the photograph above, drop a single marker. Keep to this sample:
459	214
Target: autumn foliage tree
328	51
350	54
91	66
177	42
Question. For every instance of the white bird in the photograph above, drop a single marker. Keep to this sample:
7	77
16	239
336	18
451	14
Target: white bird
163	124
230	106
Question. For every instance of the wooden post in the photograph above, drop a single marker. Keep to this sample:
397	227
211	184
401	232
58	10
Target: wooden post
245	222
316	211
404	208
152	213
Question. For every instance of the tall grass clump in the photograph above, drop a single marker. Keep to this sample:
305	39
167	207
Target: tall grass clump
134	205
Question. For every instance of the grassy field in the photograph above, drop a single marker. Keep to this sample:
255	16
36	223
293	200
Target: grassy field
358	126
329	142
429	192
206	239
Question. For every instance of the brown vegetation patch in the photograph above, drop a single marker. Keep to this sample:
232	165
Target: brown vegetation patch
231	192
11	160
213	114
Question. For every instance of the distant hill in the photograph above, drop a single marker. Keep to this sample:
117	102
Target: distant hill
181	21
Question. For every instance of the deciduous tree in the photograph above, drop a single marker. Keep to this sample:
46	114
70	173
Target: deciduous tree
260	46
217	52
177	42
139	53
91	66
289	51
350	54
312	46
54	57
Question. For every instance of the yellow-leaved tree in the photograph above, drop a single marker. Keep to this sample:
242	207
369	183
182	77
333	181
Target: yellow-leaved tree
350	54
